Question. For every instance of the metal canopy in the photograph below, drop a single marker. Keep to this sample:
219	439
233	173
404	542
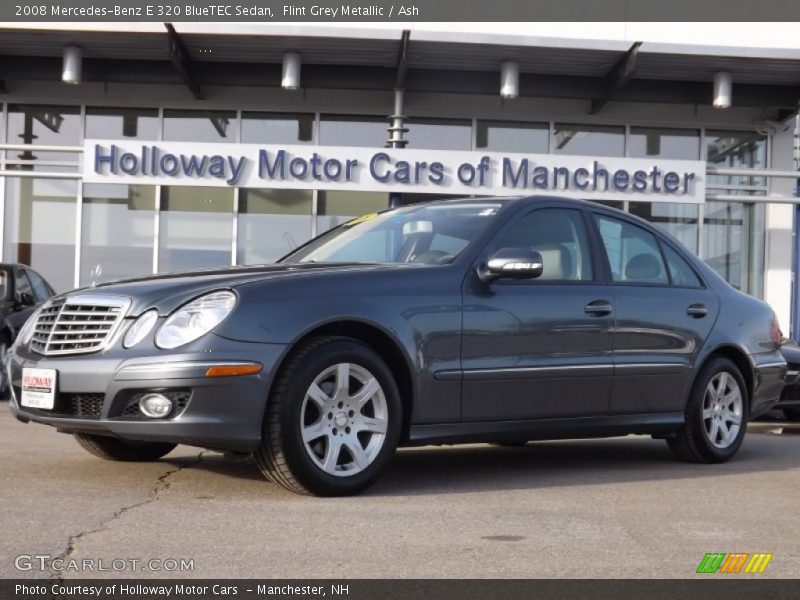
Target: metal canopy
434	63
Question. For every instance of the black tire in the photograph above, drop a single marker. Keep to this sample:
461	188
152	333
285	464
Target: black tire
692	443
792	414
282	456
109	448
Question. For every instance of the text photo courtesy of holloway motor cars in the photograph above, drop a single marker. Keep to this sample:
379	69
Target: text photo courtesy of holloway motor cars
320	300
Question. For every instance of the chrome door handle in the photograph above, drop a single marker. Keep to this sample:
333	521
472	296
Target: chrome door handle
598	308
698	311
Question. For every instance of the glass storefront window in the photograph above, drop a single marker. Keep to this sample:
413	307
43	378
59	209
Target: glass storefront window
200	125
277	128
272	223
736	149
734	232
39	228
196	228
611	204
41	125
439	134
680	220
734	243
117	232
335	208
353	130
661	142
512	136
122	123
589	140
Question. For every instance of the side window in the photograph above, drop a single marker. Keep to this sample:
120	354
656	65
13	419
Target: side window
632	252
682	274
41	290
560	236
23	285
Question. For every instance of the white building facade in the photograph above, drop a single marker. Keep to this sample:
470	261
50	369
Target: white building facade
616	99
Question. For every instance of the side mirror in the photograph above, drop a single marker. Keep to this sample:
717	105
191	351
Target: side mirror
512	263
25	299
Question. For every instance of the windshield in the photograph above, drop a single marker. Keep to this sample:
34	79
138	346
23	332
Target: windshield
433	234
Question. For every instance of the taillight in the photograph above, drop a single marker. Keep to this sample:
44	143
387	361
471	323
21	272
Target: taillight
775	332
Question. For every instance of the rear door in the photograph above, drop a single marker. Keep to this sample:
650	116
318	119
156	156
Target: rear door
664	313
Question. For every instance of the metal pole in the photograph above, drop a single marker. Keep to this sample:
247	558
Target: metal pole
396	140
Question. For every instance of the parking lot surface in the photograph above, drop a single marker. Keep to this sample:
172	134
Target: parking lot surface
619	507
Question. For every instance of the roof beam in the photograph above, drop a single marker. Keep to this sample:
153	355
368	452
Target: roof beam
445	81
617	77
402	61
182	62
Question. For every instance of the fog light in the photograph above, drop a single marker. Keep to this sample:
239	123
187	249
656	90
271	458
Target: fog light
155	406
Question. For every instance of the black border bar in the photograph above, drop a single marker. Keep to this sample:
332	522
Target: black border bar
401	11
734	587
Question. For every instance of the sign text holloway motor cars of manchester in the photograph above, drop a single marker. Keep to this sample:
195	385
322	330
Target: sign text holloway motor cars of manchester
393	170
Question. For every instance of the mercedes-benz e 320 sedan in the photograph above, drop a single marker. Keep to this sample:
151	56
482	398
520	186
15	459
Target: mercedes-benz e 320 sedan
492	320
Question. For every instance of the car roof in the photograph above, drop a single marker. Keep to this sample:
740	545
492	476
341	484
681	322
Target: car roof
508	201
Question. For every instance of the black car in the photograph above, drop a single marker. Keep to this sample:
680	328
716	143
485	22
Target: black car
492	320
790	398
21	290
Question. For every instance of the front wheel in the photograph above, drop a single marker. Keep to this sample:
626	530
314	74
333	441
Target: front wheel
109	448
716	415
333	419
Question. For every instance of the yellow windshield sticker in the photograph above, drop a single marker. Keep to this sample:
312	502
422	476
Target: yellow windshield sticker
361	219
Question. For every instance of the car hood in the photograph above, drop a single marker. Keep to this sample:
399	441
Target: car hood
167	292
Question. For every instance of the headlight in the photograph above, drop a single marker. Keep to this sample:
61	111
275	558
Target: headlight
140	328
195	319
26	333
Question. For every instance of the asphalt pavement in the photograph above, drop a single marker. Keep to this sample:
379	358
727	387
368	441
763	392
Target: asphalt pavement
620	507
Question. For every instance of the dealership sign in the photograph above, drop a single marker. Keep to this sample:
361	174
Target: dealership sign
392	170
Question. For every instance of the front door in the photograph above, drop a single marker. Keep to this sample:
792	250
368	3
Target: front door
539	348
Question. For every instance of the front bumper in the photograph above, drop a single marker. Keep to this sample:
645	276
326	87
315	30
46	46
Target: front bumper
223	413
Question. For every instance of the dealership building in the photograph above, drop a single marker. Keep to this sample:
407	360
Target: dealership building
132	149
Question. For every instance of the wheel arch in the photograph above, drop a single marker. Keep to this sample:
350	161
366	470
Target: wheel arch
382	342
738	357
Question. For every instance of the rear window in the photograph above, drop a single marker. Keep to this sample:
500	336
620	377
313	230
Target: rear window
682	273
633	253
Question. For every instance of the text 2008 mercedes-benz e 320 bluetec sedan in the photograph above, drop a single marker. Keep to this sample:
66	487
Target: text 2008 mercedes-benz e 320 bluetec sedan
495	320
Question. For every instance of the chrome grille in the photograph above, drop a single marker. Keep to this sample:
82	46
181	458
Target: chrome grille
77	324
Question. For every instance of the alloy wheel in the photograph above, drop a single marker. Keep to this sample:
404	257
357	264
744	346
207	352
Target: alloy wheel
722	410
344	419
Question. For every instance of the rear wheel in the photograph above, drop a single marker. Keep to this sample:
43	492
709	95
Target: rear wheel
716	415
109	448
333	419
